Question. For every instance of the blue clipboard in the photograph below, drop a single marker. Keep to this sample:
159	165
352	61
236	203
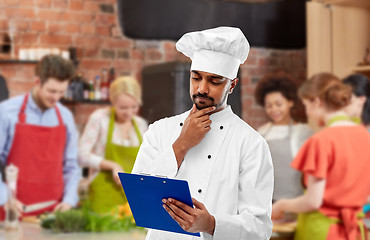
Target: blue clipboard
145	193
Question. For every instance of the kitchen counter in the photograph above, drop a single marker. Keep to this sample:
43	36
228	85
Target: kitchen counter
285	231
32	231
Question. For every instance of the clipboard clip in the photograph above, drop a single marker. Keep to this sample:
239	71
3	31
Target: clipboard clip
147	174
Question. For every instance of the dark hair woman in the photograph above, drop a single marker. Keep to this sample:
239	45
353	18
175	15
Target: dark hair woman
277	93
360	102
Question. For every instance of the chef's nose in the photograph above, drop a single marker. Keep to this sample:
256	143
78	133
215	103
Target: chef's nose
203	87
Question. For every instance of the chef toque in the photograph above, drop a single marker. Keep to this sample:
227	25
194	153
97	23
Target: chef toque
218	50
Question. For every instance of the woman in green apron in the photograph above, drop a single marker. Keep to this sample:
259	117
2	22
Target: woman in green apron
110	143
334	163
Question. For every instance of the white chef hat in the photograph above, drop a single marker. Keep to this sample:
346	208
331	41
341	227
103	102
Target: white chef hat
218	50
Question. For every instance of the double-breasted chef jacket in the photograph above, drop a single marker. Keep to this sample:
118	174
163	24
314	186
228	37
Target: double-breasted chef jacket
230	171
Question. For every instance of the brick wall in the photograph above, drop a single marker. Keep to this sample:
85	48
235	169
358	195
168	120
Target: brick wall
92	28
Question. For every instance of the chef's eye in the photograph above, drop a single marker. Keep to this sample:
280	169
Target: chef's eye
196	78
215	82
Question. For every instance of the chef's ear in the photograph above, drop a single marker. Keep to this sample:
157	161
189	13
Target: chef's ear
233	84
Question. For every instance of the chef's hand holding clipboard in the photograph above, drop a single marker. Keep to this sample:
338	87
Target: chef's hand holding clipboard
190	219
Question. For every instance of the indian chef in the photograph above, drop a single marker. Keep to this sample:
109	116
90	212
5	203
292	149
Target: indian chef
227	164
38	136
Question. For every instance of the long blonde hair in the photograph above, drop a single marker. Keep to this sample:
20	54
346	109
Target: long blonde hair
125	85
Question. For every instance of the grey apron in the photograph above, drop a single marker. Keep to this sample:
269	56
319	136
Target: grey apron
287	181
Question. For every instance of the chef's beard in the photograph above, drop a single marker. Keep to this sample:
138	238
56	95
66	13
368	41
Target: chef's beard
203	96
224	99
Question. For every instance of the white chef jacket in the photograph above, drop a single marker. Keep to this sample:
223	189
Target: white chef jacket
230	171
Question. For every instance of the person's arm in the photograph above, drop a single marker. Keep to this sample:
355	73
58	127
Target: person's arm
155	158
88	140
310	201
71	170
195	127
253	220
3	192
4	128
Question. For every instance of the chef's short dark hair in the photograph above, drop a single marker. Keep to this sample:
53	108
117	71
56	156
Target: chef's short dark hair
54	66
276	82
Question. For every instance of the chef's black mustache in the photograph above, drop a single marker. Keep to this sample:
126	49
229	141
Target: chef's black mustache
203	96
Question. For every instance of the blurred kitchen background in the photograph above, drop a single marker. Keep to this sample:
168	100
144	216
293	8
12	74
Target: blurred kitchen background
109	38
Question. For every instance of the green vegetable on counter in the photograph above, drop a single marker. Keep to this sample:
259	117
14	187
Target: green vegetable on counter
84	220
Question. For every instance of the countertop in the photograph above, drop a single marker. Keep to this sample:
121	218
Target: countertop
32	231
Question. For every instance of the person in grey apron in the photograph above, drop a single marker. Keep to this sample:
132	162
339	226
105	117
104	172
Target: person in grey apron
277	93
286	179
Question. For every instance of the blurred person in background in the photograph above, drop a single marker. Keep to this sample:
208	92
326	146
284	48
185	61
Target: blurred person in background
334	163
39	137
110	143
277	93
359	108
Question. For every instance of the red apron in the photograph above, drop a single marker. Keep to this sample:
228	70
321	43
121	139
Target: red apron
38	153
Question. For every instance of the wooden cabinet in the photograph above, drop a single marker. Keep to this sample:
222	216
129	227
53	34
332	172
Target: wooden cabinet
338	34
348	3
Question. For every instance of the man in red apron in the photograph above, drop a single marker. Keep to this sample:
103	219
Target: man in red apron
38	136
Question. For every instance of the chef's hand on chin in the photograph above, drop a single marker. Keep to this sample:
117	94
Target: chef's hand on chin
61	207
195	127
190	219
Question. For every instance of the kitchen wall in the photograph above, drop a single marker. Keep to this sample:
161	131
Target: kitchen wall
92	28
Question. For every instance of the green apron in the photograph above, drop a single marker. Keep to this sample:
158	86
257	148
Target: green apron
104	193
315	225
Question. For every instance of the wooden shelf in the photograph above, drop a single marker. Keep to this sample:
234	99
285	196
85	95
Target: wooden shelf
349	3
68	102
14	61
362	69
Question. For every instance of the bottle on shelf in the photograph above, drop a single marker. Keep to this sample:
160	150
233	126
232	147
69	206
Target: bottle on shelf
111	76
86	93
70	90
91	91
104	86
78	88
97	88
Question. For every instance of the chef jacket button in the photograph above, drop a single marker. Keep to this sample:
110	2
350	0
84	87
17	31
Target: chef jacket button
221	127
181	124
199	190
209	156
